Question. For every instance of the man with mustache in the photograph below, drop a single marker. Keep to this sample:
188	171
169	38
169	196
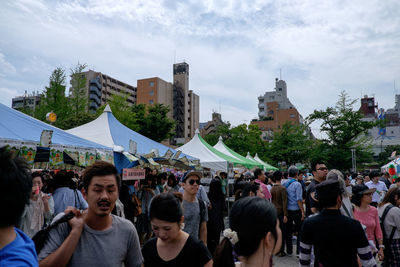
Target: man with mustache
94	237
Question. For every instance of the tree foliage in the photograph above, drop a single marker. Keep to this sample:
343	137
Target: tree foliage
344	129
291	144
151	121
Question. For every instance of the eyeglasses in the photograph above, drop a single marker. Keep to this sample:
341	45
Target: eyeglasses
191	182
323	169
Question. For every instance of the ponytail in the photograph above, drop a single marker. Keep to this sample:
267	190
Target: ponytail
223	256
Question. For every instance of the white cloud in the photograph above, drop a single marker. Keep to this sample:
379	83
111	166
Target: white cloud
6	67
235	48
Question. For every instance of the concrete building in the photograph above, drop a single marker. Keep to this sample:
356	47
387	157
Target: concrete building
380	139
275	109
30	101
100	87
183	103
211	126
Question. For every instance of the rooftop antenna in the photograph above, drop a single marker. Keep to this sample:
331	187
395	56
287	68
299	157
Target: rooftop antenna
280	74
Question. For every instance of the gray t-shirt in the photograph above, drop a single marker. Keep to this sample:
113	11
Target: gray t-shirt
112	247
193	218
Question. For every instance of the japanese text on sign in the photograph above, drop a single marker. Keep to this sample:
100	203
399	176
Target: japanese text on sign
133	174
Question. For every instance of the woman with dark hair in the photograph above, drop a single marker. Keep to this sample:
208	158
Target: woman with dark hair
215	223
367	215
172	246
390	207
172	184
253	236
40	209
249	190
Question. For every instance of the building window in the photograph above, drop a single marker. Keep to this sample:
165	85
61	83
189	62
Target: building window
272	97
151	102
291	115
280	89
151	92
151	84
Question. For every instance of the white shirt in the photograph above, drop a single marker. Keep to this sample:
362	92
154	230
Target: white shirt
381	189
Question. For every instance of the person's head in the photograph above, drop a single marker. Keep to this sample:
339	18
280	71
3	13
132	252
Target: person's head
215	190
191	182
336	175
362	194
166	216
223	175
277	176
162	178
359	179
319	170
329	194
15	187
252	225
347	180
386	175
251	190
259	174
392	196
154	172
101	184
172	182
37	181
374	176
293	172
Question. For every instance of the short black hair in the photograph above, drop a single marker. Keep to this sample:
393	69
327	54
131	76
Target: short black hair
314	164
257	172
166	207
374	174
277	176
100	168
37	174
15	187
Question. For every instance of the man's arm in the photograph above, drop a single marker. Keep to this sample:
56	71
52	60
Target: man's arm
62	255
203	232
299	196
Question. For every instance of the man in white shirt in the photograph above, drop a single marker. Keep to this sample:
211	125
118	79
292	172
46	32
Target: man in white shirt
381	188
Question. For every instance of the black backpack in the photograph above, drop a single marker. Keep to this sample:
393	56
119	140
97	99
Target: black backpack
386	241
40	237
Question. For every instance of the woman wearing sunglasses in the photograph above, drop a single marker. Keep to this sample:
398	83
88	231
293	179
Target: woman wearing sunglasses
172	246
367	215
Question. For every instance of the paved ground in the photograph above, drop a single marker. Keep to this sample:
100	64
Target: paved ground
286	261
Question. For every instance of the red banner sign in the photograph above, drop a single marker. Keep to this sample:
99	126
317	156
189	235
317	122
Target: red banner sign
133	174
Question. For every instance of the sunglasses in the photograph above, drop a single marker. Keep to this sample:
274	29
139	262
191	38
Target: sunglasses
191	182
323	169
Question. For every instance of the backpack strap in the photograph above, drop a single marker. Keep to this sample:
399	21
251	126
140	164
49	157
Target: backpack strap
385	212
202	207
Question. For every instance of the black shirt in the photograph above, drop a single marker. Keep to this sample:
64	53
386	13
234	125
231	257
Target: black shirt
193	253
310	203
335	238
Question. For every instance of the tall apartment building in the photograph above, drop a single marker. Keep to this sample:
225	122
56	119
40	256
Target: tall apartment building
26	101
100	87
275	109
183	103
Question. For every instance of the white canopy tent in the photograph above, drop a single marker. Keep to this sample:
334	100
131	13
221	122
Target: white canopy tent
208	159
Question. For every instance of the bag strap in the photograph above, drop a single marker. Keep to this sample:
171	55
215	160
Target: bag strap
346	210
385	212
77	199
290	182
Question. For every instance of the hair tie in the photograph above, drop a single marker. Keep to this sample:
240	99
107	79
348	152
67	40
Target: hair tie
231	235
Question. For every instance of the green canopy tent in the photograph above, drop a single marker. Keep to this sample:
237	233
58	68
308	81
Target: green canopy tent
267	167
220	146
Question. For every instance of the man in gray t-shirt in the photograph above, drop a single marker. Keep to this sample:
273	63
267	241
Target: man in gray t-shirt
194	216
194	210
95	237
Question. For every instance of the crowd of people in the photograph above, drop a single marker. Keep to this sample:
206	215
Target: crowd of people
329	218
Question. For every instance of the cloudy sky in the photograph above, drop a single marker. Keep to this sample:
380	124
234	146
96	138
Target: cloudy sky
235	49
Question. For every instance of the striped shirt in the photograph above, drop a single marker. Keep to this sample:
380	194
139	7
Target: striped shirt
336	241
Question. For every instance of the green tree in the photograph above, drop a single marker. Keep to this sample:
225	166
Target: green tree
77	92
54	99
344	129
156	124
241	139
291	144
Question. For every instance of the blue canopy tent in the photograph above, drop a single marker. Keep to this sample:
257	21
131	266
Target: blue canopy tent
17	128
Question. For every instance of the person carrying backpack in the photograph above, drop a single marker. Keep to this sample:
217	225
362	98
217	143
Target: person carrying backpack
389	214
